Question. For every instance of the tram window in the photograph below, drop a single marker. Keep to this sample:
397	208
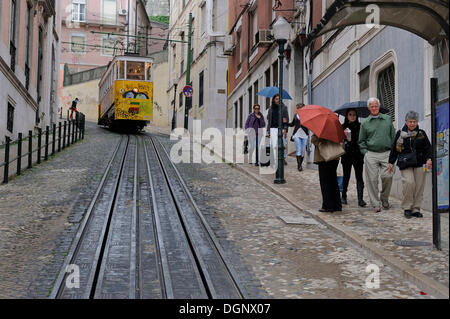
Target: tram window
149	71
121	67
141	96
129	95
135	71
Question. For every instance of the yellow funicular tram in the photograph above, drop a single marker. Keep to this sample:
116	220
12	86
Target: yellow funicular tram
126	93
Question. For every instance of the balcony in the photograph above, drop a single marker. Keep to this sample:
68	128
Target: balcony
49	7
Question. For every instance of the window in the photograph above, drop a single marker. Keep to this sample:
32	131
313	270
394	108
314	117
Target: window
267	75
10	118
364	77
235	114
78	43
109	11
12	35
135	71
180	103
203	18
275	73
108	45
254	31
201	89
241	107
148	73
182	53
121	70
28	42
79	10
250	100
386	90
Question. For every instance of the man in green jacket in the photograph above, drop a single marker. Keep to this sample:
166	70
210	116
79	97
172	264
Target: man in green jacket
375	140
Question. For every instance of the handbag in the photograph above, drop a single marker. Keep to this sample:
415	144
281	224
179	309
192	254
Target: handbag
406	160
246	146
330	150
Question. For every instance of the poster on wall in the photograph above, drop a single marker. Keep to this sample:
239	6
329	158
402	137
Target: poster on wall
442	155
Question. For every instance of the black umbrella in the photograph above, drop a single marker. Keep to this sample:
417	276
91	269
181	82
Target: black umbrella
361	109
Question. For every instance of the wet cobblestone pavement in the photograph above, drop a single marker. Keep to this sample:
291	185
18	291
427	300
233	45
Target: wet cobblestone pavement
278	260
40	212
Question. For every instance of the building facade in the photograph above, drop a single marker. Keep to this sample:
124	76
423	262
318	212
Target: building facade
253	57
127	21
29	58
208	71
158	8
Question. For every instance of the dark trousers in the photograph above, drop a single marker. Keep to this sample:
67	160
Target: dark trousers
347	169
331	197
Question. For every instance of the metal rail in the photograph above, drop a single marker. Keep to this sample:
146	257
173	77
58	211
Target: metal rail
219	278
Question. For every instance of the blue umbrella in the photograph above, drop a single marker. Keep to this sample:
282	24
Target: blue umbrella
270	91
361	109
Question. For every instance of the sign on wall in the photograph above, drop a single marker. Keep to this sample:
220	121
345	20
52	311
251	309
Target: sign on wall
442	155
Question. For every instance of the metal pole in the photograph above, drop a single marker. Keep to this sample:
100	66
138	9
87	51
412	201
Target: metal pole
47	131
174	106
30	149
6	172
59	137
188	75
436	216
39	145
64	135
54	139
279	178
19	154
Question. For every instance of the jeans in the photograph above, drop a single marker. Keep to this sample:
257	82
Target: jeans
300	144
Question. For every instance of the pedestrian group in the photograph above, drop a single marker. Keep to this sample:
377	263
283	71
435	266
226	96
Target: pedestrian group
373	146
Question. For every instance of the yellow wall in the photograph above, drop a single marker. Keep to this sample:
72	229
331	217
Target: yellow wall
161	118
87	94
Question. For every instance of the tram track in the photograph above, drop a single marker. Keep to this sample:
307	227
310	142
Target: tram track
143	236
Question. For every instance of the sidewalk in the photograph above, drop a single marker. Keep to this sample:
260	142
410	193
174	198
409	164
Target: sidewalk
424	266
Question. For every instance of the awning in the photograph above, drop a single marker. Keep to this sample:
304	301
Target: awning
426	18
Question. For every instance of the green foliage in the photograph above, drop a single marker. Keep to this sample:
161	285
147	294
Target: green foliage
161	19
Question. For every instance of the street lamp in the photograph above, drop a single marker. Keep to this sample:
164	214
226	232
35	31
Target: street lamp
175	84
281	29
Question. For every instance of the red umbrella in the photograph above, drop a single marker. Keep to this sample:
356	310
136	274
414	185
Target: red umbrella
322	122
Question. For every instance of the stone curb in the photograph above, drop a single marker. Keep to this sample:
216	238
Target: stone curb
406	272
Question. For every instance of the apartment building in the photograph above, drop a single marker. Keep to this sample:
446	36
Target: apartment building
93	31
29	58
208	70
253	56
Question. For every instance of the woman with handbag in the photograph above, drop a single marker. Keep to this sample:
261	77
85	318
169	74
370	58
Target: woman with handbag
326	156
299	137
352	157
254	122
412	151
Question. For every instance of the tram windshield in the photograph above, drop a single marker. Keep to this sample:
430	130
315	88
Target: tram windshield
135	71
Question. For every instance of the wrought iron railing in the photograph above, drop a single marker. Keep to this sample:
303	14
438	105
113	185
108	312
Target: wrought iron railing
61	136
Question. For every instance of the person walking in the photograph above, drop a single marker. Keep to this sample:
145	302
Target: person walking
376	136
299	137
255	122
73	108
352	157
273	123
412	151
331	196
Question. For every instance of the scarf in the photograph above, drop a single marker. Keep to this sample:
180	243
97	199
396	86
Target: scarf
404	135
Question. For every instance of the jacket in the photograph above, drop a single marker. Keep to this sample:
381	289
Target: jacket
252	122
297	125
284	114
376	134
420	143
352	150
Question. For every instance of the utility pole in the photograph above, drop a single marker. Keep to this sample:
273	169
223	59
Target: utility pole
188	103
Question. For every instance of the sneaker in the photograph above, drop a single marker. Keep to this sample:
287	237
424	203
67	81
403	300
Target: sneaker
408	214
386	205
417	214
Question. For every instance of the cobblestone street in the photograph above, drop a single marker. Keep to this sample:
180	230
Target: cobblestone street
41	210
